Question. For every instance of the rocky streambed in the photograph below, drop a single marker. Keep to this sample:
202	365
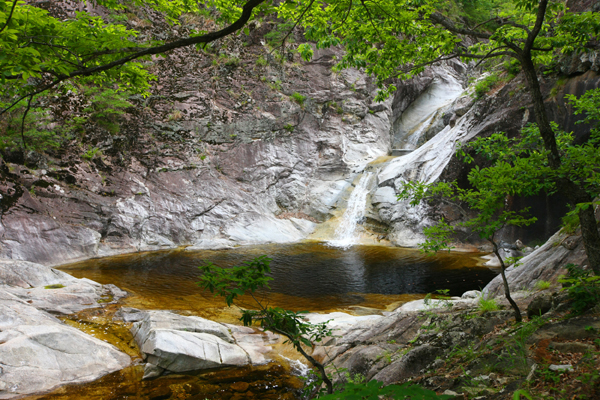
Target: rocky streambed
42	349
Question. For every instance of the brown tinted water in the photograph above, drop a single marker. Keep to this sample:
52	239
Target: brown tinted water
307	276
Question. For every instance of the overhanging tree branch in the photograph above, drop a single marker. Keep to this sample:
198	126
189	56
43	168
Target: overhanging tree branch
12	9
438	18
207	38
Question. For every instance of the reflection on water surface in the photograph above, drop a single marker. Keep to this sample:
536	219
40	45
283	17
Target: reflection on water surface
307	276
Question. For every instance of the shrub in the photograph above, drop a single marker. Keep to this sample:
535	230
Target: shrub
583	288
485	305
298	98
485	85
261	61
542	285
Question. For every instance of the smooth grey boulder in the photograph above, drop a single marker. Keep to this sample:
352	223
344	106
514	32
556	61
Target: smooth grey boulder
52	290
545	263
174	343
38	352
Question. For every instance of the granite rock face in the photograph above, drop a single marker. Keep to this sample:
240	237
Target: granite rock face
205	169
173	343
545	263
38	352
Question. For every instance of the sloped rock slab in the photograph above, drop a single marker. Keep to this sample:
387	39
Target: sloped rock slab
38	352
52	290
174	343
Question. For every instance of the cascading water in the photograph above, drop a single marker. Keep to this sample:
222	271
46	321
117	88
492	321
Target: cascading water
345	234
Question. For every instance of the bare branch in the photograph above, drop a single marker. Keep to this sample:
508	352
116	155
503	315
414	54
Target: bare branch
539	21
23	122
439	18
371	19
297	22
12	9
511	23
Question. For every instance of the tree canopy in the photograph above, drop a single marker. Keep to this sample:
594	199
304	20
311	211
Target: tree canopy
391	38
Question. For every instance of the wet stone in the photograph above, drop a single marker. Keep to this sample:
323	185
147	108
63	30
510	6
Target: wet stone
240	386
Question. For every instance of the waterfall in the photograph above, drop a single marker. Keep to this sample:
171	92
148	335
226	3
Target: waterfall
345	234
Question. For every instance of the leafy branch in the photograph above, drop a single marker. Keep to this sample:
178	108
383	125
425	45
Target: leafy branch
250	277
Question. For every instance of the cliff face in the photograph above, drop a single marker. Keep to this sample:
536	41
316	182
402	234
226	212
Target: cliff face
236	147
230	140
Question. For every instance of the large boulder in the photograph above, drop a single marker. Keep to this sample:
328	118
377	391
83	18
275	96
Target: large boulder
38	352
175	343
52	290
409	365
545	263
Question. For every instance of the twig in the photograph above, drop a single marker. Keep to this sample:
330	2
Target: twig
9	16
23	122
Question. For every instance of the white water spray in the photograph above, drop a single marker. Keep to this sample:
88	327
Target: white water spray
345	234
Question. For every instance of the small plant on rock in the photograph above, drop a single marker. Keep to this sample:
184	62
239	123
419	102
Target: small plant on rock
484	305
542	285
298	98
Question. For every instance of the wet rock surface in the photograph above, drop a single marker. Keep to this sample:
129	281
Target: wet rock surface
38	352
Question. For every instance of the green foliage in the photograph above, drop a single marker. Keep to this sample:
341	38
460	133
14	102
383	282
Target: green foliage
275	36
236	281
55	286
248	278
275	85
583	288
106	106
289	127
91	153
485	85
542	285
478	11
226	60
395	38
306	51
515	348
398	38
374	389
485	305
549	376
298	98
34	129
261	61
518	394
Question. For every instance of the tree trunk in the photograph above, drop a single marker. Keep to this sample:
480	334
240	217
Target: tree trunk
514	305
575	194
